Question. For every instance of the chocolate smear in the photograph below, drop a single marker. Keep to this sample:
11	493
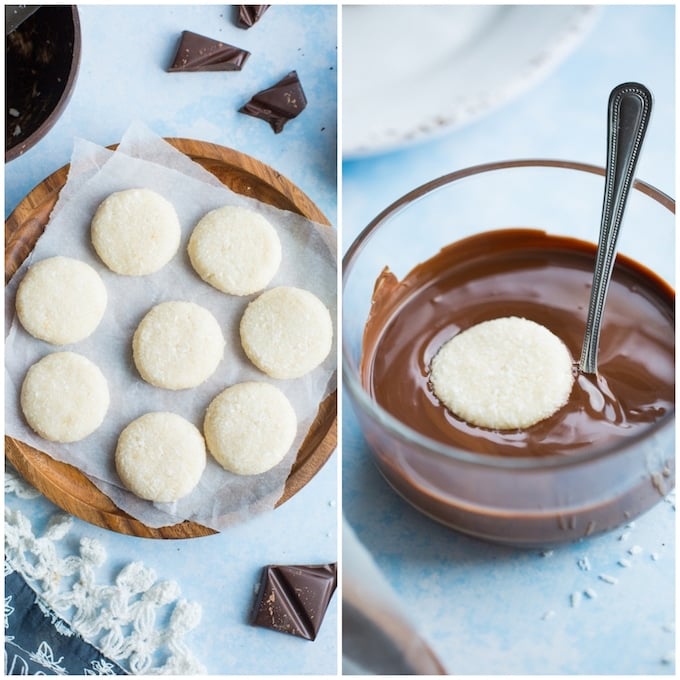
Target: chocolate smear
293	599
278	104
248	15
198	53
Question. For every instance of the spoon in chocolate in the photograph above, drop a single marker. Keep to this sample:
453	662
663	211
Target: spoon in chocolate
628	114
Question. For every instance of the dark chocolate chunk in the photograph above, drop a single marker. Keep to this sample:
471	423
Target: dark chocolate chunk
197	53
278	104
248	15
294	599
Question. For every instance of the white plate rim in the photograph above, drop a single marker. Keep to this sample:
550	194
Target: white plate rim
359	141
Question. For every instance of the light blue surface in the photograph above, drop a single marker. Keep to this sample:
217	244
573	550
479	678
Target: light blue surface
122	78
493	610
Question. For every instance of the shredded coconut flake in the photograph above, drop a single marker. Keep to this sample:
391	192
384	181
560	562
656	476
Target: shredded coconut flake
584	564
608	579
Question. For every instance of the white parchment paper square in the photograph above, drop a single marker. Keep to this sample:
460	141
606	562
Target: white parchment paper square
309	261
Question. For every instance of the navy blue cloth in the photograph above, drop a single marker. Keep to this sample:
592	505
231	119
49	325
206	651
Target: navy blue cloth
38	642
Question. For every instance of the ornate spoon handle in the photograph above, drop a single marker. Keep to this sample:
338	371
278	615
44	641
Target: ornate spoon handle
628	114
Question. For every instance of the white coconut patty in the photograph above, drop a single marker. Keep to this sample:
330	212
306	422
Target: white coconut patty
235	249
507	373
64	397
61	300
250	427
135	232
160	457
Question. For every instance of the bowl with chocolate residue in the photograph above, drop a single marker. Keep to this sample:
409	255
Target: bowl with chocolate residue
515	239
42	58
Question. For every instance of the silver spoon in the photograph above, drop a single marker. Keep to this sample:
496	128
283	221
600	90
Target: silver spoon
628	114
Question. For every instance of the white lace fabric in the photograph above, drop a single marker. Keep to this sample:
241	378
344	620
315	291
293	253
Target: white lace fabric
138	621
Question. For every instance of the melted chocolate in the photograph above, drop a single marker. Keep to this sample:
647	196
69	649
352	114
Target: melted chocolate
527	273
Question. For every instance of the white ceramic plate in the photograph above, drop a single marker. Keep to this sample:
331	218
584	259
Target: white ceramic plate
410	72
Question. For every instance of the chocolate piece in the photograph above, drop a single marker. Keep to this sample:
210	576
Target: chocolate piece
197	53
294	599
248	15
278	104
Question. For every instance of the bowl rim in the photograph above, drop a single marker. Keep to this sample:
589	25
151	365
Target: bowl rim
54	115
407	434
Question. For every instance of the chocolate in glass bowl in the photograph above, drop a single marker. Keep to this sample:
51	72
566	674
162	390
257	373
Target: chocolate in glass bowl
584	471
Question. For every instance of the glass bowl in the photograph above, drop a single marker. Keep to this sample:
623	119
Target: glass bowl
522	501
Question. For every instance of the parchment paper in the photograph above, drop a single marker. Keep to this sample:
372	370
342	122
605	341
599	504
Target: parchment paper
309	261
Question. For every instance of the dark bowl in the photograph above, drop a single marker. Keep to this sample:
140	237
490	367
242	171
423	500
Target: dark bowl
42	56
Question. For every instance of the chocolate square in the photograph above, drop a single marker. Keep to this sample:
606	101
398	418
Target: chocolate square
198	53
293	599
278	104
248	15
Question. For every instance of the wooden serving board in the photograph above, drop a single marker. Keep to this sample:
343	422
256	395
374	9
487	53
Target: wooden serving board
64	484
